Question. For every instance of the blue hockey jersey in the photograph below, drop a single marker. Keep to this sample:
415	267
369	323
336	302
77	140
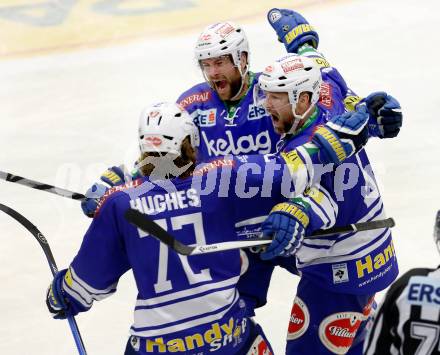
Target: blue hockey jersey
243	128
360	262
356	263
186	304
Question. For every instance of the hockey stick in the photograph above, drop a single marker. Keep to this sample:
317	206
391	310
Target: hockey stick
149	226
53	266
40	186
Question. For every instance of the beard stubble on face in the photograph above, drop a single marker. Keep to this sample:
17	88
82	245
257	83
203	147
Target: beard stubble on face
227	88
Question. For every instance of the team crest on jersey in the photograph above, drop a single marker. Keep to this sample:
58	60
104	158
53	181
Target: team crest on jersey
340	273
205	118
299	319
338	330
256	112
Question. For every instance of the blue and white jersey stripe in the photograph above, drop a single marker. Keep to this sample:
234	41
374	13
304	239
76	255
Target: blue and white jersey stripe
83	292
200	308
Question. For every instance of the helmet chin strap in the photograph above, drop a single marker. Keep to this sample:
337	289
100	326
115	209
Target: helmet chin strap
298	118
243	80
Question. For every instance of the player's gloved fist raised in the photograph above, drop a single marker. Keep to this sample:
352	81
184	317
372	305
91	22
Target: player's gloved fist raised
56	303
342	136
113	176
93	194
286	224
292	29
385	115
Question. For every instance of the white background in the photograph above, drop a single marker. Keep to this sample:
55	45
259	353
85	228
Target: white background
66	117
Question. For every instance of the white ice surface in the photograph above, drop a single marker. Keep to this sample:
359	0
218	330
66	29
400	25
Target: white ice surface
65	117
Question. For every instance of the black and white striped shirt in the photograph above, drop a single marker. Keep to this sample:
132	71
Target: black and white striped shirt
408	321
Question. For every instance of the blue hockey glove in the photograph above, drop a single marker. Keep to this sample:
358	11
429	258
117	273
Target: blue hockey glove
343	136
113	176
56	302
93	194
292	29
286	223
385	115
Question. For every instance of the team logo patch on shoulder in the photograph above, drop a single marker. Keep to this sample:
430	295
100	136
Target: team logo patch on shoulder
197	97
256	112
338	330
205	118
299	319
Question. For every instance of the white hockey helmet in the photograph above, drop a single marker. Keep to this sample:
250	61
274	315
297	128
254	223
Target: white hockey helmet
164	126
220	39
293	74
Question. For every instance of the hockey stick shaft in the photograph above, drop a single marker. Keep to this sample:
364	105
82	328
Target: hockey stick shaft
146	224
41	186
52	264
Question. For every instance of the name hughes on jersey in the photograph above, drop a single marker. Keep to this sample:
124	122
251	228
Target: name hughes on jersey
169	201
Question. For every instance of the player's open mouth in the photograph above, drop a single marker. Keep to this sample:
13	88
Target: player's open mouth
220	85
274	117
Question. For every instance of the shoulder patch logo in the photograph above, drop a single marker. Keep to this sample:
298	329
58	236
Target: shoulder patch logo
205	118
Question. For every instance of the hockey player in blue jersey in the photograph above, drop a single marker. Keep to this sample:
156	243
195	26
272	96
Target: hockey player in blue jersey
187	305
223	106
230	122
299	37
339	274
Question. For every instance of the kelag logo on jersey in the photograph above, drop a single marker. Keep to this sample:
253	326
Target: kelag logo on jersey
260	143
256	112
205	118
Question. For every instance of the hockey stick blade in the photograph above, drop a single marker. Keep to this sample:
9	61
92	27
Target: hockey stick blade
52	264
40	186
145	223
